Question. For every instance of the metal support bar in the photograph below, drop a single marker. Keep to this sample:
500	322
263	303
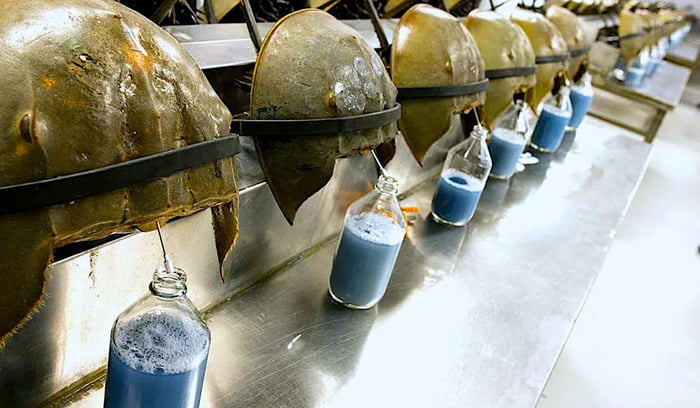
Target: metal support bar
251	24
383	42
159	15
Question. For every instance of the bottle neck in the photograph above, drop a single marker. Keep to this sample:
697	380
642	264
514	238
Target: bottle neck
387	185
169	283
478	133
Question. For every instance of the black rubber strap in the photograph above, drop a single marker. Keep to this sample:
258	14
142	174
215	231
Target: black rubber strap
419	92
324	126
577	52
492	74
614	38
64	189
548	59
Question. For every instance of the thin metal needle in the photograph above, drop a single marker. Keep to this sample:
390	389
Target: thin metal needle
166	259
381	168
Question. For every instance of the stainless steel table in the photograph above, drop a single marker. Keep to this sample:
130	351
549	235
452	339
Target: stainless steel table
640	109
686	54
474	317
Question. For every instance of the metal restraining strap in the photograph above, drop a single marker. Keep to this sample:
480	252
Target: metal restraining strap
418	92
71	187
510	72
614	38
577	52
324	126
547	59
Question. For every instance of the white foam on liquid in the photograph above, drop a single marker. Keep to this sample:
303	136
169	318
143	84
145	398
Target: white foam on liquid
508	136
473	184
161	343
375	228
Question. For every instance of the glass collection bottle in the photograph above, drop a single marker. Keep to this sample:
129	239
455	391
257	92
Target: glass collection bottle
655	57
462	180
509	137
581	97
158	348
553	120
634	75
368	247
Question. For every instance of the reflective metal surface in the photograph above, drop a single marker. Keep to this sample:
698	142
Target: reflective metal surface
687	53
229	45
663	88
644	107
473	317
68	338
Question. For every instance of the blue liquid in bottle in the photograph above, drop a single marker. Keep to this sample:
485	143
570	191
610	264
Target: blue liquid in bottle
550	128
364	260
634	77
505	147
456	197
652	66
580	103
156	360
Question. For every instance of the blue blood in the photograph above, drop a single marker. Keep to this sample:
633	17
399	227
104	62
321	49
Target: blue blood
156	360
634	77
550	128
652	66
364	259
505	148
579	104
456	197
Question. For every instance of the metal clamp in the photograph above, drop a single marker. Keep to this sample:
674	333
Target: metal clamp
324	126
548	59
419	92
614	39
64	189
492	74
577	52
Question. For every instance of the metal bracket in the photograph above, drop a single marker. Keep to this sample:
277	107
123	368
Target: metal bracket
251	24
63	189
324	126
443	91
492	74
548	59
577	52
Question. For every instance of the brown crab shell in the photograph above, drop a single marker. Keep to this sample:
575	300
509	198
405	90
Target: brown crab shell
312	66
631	23
571	27
87	84
501	44
546	40
433	48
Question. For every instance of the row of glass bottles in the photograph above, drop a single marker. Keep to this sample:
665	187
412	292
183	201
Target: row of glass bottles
159	346
647	62
472	161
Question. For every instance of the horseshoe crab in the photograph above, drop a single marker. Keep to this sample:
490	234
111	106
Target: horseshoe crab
653	26
504	47
432	48
88	84
547	42
334	74
573	30
631	29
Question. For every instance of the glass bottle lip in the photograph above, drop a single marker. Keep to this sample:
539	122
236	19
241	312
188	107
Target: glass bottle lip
387	184
479	132
168	284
